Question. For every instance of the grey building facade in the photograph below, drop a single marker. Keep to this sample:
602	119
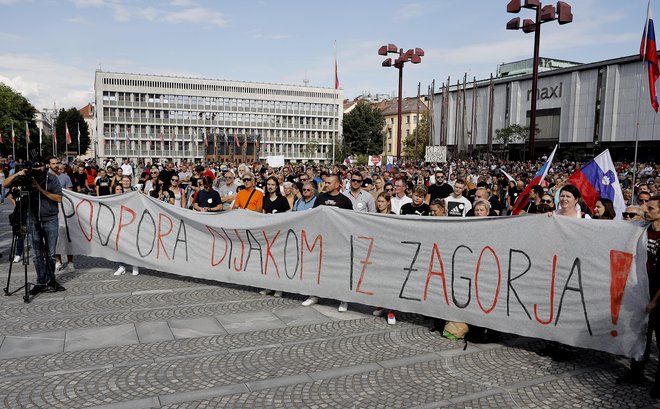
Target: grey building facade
586	108
162	117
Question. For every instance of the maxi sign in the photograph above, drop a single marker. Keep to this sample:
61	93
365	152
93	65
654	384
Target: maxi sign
547	92
579	282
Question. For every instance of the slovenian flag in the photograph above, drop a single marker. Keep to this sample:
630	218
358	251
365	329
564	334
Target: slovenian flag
598	180
68	135
523	198
649	54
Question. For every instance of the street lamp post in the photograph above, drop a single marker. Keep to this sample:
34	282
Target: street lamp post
414	56
562	13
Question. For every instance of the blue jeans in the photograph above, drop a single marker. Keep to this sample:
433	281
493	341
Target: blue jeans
49	230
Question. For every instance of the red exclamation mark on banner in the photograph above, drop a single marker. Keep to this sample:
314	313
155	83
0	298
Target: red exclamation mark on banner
620	265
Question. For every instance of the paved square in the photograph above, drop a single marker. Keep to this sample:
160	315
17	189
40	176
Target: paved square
160	340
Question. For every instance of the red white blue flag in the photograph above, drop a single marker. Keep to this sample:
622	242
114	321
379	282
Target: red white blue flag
649	53
523	198
598	180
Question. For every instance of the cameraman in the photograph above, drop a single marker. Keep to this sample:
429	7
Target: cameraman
45	192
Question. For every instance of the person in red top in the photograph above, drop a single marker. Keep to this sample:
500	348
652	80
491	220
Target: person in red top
91	175
206	171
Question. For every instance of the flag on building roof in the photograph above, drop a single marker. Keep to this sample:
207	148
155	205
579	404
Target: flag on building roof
649	53
598	180
523	198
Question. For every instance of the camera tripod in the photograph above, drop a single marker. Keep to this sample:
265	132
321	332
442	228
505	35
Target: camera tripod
22	236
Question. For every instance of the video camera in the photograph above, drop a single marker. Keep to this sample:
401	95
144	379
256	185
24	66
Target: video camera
32	172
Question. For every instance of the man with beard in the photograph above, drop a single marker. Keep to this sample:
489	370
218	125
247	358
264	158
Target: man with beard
45	193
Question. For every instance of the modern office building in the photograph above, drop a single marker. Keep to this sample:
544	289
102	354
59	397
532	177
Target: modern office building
155	117
584	108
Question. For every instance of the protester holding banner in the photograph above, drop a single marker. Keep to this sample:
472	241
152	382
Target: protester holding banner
274	202
438	208
457	204
332	197
228	190
179	193
569	197
125	187
249	198
417	206
308	198
207	199
635	375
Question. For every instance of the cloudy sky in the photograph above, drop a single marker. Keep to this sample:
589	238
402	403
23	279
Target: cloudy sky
50	49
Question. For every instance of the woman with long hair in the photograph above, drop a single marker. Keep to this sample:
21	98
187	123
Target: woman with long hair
383	203
604	209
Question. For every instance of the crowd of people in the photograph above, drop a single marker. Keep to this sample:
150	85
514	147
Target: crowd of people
459	188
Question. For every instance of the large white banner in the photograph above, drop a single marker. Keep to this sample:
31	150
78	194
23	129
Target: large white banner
579	282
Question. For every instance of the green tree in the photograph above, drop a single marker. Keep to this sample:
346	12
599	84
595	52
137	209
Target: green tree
15	110
422	136
513	134
73	119
363	130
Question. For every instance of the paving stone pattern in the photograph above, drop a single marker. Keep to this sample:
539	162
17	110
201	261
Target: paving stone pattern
162	340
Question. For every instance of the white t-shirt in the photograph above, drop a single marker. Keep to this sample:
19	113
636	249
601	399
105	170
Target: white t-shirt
396	203
127	169
457	207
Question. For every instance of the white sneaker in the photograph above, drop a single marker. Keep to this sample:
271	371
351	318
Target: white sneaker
278	294
17	259
121	270
58	266
378	312
136	270
70	268
265	292
391	318
343	307
310	301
